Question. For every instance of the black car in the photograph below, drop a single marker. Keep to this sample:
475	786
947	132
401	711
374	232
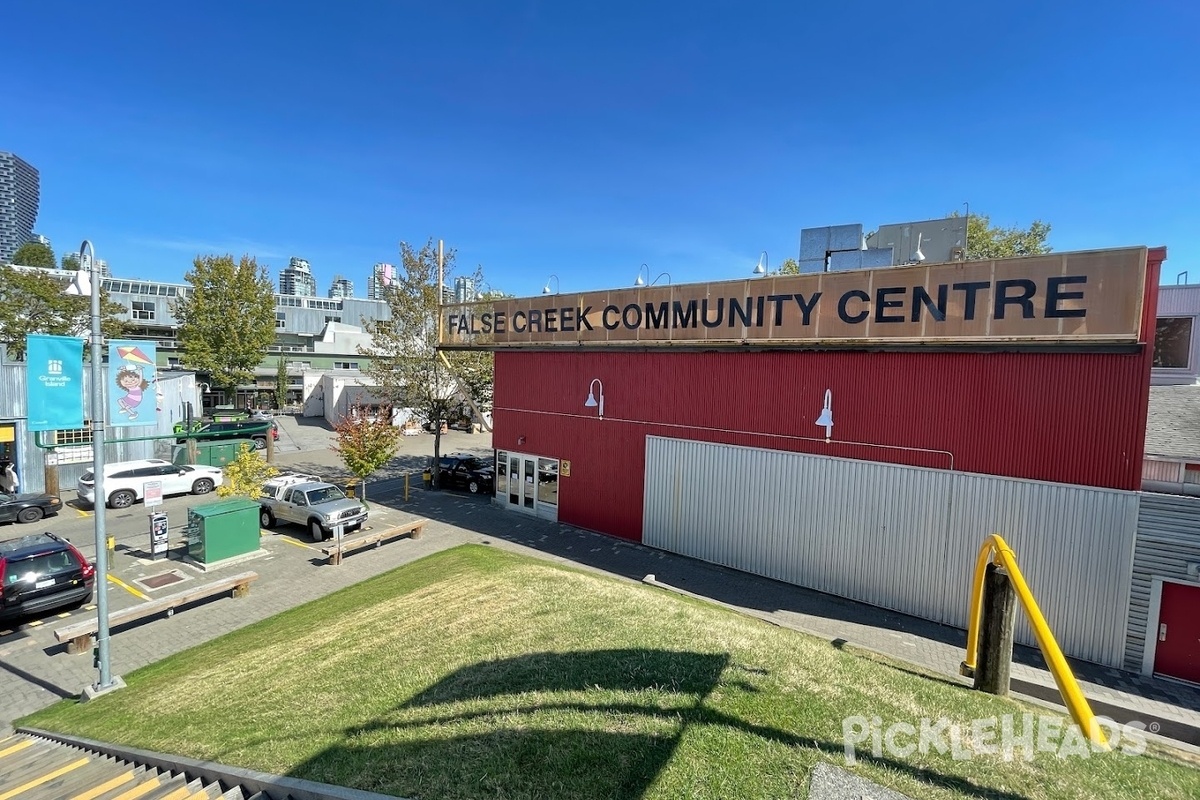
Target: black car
465	471
27	507
255	430
41	573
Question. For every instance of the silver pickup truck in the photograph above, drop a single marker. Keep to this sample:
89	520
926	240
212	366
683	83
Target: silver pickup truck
308	501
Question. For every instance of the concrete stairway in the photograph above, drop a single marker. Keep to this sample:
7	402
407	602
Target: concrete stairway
35	765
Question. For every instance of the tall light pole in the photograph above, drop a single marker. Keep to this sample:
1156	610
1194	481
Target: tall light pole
106	682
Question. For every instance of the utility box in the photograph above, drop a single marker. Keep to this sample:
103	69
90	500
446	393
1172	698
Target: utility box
223	530
213	454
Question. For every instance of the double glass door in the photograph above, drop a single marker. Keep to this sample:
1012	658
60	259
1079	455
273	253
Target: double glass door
527	483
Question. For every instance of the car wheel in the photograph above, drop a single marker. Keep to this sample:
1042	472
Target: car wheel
260	444
29	515
266	518
473	487
122	499
202	486
318	533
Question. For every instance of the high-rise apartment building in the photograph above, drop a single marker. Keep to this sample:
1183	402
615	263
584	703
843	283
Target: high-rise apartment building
341	287
297	279
382	276
19	195
464	290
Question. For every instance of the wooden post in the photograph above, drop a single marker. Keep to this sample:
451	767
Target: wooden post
996	634
270	445
52	477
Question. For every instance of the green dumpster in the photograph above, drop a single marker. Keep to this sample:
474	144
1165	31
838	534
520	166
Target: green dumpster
221	530
213	454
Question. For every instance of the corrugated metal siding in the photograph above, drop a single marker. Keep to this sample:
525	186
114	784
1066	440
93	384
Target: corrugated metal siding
1168	537
1165	471
177	388
897	537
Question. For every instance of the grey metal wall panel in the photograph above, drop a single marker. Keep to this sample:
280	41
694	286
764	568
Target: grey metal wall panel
898	537
1168	538
842	260
845	237
814	243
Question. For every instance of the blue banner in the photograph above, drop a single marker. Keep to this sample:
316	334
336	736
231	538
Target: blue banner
54	382
132	385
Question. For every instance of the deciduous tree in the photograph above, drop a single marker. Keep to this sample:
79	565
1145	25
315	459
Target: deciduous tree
70	262
281	383
789	267
246	474
35	254
227	320
34	302
366	441
986	241
405	361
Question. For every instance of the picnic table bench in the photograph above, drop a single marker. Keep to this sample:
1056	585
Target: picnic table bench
79	635
349	544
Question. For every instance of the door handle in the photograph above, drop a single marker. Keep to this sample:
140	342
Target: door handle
1162	632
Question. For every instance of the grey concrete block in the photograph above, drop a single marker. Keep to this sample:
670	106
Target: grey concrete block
845	237
831	783
841	260
814	243
811	265
877	257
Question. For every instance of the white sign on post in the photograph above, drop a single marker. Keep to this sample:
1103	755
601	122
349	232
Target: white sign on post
152	491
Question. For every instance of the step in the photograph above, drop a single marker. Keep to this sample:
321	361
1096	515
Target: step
54	770
29	763
96	772
173	787
100	779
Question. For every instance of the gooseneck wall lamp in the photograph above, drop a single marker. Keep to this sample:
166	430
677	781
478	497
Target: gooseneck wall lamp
761	268
640	280
546	288
592	401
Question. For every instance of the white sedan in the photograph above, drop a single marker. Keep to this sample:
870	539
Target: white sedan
125	481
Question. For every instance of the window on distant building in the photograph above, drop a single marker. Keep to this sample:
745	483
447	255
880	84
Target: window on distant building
143	309
345	365
333	319
1173	342
173	363
280	319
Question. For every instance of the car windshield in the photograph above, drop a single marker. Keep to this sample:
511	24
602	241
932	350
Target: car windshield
325	495
28	570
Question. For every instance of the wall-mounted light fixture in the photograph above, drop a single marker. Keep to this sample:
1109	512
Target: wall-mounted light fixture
761	268
546	288
640	281
826	418
592	402
661	275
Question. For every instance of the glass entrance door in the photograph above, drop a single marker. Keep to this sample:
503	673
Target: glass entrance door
527	483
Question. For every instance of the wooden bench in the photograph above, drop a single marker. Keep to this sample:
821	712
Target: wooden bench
79	636
349	544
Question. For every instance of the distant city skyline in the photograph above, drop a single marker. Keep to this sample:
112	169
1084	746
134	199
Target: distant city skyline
19	202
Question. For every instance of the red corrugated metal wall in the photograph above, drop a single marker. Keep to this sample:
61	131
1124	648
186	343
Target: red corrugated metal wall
1066	417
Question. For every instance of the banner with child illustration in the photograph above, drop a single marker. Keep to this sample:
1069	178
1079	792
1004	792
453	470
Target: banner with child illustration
133	395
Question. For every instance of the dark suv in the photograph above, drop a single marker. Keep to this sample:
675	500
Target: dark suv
255	430
40	573
465	471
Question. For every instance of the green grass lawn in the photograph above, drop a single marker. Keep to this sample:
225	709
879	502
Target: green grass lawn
476	673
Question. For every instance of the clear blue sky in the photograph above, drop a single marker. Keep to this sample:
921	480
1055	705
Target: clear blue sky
585	139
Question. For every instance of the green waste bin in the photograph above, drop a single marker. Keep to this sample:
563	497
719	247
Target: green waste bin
222	530
213	454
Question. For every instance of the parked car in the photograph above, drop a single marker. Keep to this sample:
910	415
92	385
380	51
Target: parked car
465	471
255	430
28	507
40	573
125	481
306	500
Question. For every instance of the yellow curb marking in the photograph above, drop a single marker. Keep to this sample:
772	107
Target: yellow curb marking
83	513
297	544
49	776
127	587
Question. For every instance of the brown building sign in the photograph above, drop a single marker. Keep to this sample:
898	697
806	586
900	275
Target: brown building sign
1092	297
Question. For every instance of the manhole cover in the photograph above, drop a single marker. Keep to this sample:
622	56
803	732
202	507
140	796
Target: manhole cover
160	580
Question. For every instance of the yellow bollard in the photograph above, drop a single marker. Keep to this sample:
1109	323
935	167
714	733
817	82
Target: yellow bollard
110	544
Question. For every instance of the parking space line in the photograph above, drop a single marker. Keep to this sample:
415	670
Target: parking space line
128	588
292	541
83	513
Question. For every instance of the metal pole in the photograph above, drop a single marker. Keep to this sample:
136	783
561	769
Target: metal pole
100	504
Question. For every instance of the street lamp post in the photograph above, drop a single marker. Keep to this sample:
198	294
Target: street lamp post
106	682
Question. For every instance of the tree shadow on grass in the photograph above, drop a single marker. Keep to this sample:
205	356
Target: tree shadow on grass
497	729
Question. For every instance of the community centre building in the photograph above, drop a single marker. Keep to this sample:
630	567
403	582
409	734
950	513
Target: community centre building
856	431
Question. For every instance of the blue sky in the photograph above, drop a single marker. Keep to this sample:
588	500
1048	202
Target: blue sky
584	139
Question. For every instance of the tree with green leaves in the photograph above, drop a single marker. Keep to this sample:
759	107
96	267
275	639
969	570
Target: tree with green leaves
789	267
366	441
281	384
405	362
35	254
227	319
70	262
246	474
35	302
986	241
